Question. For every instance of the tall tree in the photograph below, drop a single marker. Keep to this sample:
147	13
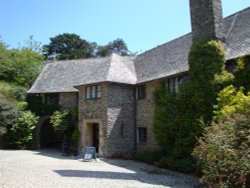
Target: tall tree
68	46
117	46
20	65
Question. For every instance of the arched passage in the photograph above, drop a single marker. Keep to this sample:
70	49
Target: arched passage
48	137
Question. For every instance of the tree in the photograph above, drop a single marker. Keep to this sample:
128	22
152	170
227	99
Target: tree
20	65
68	46
117	46
8	114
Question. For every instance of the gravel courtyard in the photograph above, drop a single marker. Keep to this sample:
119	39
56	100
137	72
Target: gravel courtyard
48	169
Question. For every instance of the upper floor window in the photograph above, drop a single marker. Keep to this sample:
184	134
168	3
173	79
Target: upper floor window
93	92
173	84
51	98
141	92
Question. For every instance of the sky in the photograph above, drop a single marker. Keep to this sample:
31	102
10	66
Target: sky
142	24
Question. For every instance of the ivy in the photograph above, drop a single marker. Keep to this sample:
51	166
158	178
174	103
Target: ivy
242	74
177	116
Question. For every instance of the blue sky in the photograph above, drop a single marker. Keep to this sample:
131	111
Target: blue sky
143	24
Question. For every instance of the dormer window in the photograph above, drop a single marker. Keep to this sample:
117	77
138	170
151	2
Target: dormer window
93	92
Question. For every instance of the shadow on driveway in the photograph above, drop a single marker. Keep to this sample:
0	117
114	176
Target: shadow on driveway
135	171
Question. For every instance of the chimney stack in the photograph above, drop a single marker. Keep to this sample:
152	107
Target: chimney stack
206	19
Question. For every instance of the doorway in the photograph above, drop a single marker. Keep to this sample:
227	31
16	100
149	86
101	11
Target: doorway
95	136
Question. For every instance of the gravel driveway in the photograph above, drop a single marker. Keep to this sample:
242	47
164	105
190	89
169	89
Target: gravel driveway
48	169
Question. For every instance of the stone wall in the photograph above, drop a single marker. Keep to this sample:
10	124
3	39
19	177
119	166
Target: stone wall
121	119
68	100
93	111
145	115
114	113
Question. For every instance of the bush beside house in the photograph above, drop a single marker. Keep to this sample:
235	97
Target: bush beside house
223	152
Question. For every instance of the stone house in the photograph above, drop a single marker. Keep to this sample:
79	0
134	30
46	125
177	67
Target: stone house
114	95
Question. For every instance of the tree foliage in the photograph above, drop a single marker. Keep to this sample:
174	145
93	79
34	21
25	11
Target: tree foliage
20	65
19	68
117	46
21	132
242	74
68	46
177	116
63	123
223	152
8	114
71	46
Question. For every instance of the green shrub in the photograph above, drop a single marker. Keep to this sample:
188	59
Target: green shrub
21	131
75	136
230	101
13	91
8	114
185	165
63	123
223	152
242	74
150	157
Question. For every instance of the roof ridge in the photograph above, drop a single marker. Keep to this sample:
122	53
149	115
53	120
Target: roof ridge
166	43
239	12
82	59
190	33
110	59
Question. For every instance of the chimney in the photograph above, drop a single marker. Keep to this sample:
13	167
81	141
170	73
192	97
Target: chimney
206	19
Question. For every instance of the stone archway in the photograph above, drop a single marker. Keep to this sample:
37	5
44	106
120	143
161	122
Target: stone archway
46	137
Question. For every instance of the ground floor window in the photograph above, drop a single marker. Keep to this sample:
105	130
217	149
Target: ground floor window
142	135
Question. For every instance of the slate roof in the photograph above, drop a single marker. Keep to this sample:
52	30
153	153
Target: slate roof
172	58
166	60
62	76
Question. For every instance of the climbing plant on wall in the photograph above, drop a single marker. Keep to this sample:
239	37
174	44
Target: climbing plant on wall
242	74
177	116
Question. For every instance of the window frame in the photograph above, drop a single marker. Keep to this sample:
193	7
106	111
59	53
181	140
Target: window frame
172	84
142	135
141	92
51	98
93	92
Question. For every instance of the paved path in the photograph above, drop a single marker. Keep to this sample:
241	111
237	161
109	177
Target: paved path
49	169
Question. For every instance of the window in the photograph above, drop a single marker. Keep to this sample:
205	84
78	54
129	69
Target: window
173	84
93	92
123	131
142	135
51	98
141	92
